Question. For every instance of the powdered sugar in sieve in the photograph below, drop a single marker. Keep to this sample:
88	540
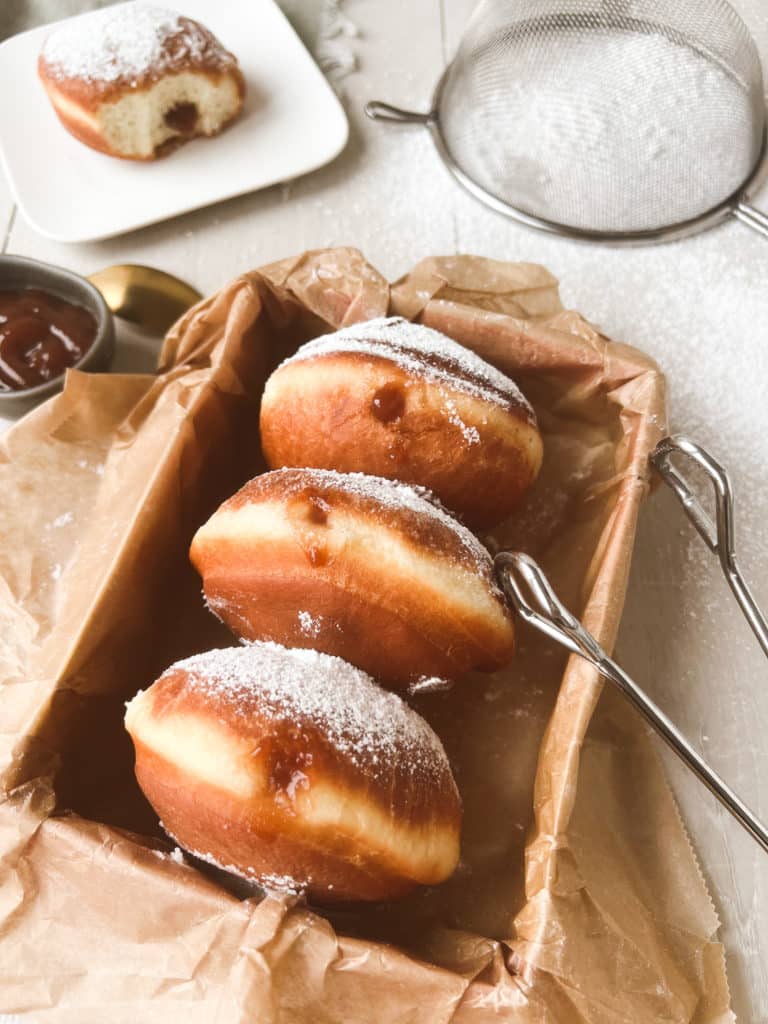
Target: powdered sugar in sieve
614	130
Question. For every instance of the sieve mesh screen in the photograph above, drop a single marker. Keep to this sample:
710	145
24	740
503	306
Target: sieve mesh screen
605	115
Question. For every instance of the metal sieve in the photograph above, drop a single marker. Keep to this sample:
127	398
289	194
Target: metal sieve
608	120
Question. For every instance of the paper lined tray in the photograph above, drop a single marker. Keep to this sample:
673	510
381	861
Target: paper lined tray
578	897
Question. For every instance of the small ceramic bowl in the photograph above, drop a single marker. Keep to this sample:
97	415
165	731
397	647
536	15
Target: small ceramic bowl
18	272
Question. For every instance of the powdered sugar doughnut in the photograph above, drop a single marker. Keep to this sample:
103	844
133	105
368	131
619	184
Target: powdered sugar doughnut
397	399
293	769
371	570
135	81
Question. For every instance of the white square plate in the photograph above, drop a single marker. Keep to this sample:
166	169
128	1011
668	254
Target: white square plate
291	123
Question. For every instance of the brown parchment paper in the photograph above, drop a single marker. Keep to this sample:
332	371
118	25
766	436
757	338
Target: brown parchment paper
578	897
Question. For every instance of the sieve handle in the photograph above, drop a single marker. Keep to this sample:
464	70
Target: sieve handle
752	218
379	111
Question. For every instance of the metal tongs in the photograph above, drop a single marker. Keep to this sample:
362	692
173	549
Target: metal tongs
532	596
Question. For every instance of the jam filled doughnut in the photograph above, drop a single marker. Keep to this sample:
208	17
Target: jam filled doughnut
136	81
396	399
293	769
364	568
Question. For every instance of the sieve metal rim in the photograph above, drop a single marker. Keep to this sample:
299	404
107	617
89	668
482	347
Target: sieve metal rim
732	205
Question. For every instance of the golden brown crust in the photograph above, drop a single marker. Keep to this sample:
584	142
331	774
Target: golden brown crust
90	95
309	497
357	412
292	743
316	560
281	795
82	130
209	824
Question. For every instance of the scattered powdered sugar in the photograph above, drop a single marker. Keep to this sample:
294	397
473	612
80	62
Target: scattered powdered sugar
421	351
470	434
123	43
364	722
391	494
278	883
94	467
282	884
63	520
429	684
310	625
218	606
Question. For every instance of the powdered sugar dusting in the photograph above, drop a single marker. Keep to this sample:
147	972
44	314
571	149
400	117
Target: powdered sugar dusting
470	434
367	724
421	351
284	884
429	684
124	43
63	520
309	624
391	494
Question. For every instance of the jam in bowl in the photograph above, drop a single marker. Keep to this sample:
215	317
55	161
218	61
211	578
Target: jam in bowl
50	320
40	336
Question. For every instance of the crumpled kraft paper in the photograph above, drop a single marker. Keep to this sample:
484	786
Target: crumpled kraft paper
578	897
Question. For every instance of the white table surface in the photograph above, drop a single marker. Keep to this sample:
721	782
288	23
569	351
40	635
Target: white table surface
700	307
